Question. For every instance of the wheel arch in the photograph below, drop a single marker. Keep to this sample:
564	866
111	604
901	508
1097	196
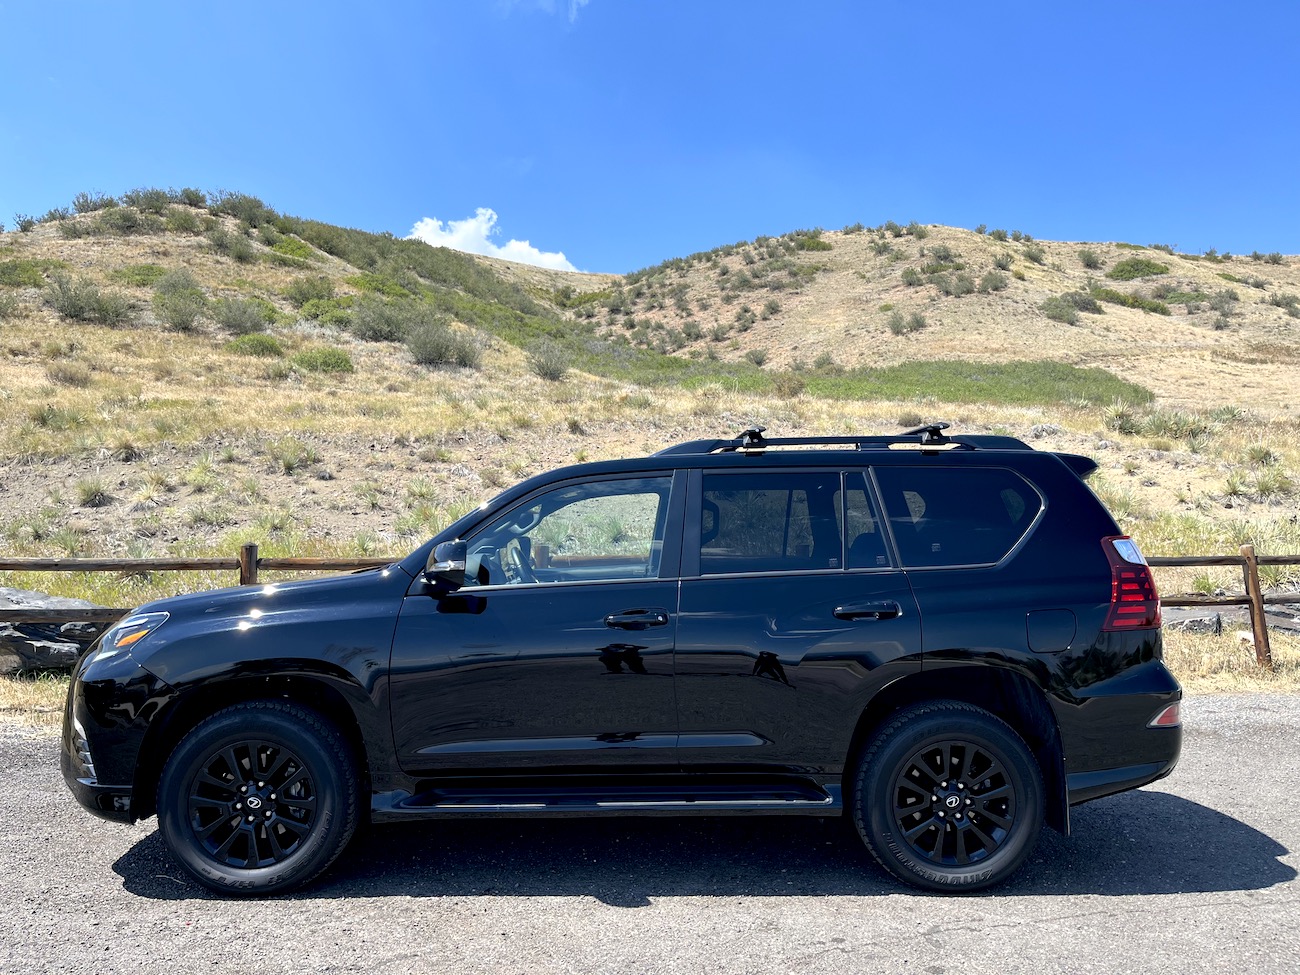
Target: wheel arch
192	706
1007	693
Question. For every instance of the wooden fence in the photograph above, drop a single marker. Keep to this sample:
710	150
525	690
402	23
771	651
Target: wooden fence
248	564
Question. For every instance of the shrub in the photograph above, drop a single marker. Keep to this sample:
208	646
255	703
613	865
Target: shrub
82	300
1002	261
262	346
181	220
10	306
303	290
376	320
891	228
322	358
901	325
549	360
942	253
192	197
1035	253
435	343
1225	302
770	307
918	231
244	208
982	229
1083	301
993	281
1165	248
147	199
787	385
954	285
1090	259
1017	236
998	234
92	492
1289	302
55	214
125	222
1136	267
912	277
244	316
1059	310
23	273
179	300
233	245
90	202
76	229
756	356
1130	301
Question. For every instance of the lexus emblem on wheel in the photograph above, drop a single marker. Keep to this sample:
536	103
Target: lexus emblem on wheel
952	802
256	803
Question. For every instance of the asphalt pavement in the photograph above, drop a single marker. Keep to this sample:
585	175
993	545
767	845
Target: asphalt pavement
1194	874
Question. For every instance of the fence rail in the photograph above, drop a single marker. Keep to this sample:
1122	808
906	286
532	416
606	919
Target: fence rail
249	564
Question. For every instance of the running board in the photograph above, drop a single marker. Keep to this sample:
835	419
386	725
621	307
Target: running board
791	797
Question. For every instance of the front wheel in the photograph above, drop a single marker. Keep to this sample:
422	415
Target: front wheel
948	797
259	798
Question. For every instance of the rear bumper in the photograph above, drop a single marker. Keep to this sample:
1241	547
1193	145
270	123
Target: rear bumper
1085	786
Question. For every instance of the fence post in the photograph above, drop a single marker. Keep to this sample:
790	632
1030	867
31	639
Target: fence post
1263	652
248	565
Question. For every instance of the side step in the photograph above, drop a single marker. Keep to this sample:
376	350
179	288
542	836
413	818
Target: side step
572	796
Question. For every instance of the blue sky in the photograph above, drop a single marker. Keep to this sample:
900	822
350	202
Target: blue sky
623	132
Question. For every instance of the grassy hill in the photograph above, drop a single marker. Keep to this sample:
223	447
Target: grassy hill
182	372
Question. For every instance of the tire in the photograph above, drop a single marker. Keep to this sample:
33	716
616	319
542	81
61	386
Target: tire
259	798
936	830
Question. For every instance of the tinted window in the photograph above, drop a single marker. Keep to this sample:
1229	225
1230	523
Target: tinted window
956	516
772	522
866	540
600	531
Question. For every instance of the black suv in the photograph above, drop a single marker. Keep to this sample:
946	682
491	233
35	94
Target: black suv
946	638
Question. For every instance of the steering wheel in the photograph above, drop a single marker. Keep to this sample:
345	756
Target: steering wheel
515	563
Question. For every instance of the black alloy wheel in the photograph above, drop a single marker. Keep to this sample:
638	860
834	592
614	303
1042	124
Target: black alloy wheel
258	798
949	796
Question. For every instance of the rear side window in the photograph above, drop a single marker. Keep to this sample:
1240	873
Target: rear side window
956	516
770	522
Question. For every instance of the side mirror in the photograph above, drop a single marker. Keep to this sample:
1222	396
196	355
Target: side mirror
446	566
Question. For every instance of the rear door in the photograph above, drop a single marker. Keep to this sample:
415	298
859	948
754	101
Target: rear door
793	612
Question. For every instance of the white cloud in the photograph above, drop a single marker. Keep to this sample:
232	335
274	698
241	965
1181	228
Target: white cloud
473	235
505	7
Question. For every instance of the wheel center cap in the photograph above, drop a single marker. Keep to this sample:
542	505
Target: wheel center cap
253	802
952	802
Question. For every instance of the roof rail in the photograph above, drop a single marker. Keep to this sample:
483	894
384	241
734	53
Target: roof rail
751	440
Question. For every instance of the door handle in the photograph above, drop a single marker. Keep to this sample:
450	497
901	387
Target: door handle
886	609
637	619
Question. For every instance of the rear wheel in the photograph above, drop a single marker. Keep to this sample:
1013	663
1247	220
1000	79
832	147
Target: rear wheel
947	796
259	798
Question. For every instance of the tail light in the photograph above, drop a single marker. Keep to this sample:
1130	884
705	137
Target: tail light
1134	602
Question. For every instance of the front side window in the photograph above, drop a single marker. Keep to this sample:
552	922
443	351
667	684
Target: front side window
944	516
771	522
593	532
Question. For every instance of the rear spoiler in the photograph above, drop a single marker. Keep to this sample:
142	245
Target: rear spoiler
1083	466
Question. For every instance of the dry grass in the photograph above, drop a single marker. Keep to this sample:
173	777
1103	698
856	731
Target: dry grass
1206	664
1203	664
33	702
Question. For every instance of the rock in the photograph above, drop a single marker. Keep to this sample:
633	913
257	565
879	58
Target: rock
1198	624
43	646
1044	430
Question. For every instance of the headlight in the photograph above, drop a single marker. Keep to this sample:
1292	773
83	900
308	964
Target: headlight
127	633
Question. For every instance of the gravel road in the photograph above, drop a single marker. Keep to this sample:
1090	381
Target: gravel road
1195	874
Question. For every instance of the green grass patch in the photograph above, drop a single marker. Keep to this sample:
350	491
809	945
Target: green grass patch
323	358
377	284
24	273
256	344
1130	301
1019	383
1136	267
139	275
293	247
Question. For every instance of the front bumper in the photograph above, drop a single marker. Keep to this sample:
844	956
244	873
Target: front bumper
111	705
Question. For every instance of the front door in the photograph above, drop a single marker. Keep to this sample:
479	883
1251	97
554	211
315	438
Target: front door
558	653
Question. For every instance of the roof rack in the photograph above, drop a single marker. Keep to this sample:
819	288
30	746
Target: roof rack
928	437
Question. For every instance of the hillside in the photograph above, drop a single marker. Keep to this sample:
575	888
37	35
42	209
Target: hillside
182	372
